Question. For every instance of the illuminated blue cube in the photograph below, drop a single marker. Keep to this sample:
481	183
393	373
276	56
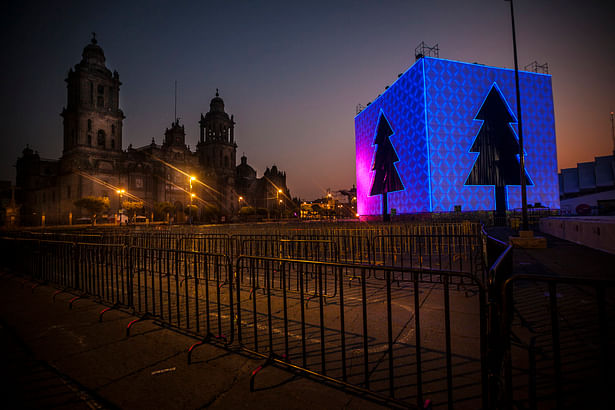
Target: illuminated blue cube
432	112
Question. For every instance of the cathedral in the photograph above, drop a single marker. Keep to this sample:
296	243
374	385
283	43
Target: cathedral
207	182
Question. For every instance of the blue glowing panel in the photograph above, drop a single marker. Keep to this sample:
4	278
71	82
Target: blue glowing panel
403	105
455	93
432	109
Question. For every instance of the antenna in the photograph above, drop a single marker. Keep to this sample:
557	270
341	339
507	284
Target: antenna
175	115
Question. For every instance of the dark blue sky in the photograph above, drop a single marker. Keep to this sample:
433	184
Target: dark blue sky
292	72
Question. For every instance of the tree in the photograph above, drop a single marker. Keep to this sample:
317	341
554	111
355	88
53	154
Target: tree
191	211
247	210
132	206
162	209
210	212
386	179
497	146
93	204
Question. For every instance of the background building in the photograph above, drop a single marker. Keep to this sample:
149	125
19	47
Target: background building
589	188
93	162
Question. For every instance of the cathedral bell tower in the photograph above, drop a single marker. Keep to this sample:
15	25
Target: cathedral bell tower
92	117
175	137
216	150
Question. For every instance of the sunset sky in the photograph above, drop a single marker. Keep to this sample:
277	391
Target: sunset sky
292	73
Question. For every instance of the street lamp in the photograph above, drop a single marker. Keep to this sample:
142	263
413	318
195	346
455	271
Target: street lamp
120	192
519	126
278	200
191	196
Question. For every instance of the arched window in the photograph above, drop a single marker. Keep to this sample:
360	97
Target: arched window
225	162
101	138
113	144
112	129
89	125
100	100
89	140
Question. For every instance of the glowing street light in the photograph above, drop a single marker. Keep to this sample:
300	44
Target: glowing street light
279	201
120	192
192	178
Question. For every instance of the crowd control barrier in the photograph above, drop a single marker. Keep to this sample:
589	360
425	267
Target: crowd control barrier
405	314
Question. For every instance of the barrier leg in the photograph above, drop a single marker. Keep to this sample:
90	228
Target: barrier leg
56	293
105	310
132	322
36	285
205	340
73	300
268	362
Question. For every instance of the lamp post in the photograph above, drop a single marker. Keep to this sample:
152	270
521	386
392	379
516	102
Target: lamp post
120	192
613	132
519	125
278	201
191	196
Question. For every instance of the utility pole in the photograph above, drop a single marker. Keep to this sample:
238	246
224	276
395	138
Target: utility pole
524	225
613	132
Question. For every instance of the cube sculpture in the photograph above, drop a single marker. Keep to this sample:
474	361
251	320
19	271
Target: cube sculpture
444	136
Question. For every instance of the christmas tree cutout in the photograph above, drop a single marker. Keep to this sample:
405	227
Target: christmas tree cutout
497	163
386	178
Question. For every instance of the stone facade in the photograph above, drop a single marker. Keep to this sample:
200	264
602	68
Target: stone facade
93	162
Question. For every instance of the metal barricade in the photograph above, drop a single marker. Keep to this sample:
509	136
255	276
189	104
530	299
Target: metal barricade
184	289
100	270
558	340
387	338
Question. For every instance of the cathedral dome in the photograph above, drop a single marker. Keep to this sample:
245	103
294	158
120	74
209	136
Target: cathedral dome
216	104
244	170
93	53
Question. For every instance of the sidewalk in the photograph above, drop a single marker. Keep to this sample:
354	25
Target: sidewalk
62	358
560	258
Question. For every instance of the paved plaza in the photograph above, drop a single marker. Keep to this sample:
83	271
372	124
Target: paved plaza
66	358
